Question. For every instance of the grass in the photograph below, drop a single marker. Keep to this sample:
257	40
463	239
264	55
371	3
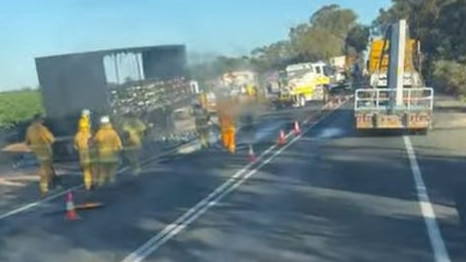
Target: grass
18	106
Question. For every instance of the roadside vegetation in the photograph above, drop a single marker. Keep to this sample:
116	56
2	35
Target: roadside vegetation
18	106
333	31
330	31
439	25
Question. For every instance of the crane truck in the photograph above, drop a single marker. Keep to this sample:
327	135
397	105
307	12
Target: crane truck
396	98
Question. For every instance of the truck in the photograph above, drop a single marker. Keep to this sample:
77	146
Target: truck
70	83
240	84
302	83
208	101
338	66
395	98
377	65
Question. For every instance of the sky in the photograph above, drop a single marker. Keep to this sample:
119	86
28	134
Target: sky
34	28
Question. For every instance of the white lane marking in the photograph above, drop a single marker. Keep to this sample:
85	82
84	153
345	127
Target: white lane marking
212	199
5	182
435	236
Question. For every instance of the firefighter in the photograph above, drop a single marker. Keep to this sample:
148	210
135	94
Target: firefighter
85	119
40	140
227	126
108	146
82	145
133	130
202	119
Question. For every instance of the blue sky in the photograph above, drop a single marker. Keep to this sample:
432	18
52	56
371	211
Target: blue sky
34	28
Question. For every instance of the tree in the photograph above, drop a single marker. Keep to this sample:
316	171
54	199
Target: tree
325	33
441	29
358	38
335	20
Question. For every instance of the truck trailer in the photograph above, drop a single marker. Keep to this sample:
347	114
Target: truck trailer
72	82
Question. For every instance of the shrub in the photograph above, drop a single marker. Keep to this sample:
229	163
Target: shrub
450	77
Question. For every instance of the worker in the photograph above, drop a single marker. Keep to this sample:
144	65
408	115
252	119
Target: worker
132	122
202	118
227	125
85	119
108	145
133	130
203	99
82	145
40	140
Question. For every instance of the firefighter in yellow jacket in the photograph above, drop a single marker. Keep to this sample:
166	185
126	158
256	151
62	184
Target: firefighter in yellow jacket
40	140
85	119
226	115
133	129
202	119
82	145
108	145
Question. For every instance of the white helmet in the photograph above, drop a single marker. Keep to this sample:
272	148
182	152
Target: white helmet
105	120
86	112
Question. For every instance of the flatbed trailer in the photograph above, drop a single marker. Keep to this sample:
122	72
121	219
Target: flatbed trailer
373	109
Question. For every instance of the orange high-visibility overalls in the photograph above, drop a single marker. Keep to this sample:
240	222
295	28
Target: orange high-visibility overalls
227	126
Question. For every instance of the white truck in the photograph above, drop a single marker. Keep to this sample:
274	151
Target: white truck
304	82
338	66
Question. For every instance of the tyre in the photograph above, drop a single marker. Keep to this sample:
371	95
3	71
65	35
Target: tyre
302	101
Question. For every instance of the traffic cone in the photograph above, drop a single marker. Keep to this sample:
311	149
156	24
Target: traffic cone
70	210
296	129
251	154
281	138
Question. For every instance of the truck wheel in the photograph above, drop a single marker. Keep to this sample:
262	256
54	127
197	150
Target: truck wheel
302	101
423	132
418	132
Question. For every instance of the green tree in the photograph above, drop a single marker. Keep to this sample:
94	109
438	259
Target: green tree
440	27
358	38
325	34
328	32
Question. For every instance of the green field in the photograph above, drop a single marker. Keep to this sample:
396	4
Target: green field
17	106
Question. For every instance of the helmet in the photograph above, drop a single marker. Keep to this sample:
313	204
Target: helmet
86	112
105	120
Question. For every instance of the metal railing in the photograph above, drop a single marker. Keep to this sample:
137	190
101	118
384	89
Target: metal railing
379	99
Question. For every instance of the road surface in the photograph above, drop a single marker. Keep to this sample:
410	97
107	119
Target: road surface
330	195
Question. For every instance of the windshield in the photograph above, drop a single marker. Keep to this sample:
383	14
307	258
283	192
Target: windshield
213	130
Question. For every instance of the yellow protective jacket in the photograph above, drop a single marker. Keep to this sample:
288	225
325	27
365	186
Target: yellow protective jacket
81	144
108	143
40	139
133	140
84	122
135	129
226	116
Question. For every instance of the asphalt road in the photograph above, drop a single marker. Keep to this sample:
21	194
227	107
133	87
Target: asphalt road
38	231
332	195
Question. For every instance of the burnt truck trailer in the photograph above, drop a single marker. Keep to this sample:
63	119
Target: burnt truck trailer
93	80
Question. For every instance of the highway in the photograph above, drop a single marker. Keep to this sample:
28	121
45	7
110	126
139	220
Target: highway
328	195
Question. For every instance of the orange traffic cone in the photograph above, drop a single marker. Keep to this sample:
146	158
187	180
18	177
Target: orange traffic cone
296	129
251	155
70	210
281	138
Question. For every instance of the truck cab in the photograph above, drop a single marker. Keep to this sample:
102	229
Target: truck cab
304	82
